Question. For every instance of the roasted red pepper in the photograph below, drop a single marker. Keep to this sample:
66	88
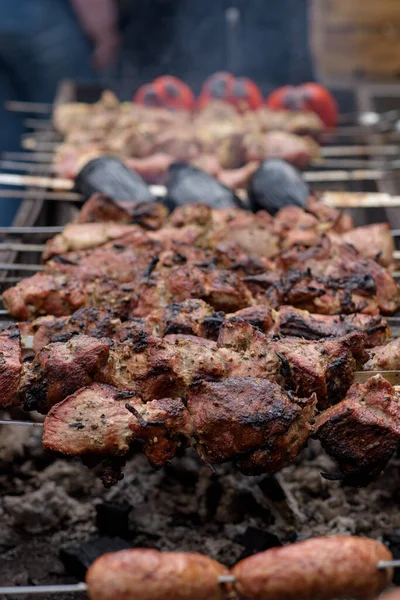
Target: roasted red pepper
308	96
239	91
167	92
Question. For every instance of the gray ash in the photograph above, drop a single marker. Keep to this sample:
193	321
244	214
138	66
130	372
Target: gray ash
52	505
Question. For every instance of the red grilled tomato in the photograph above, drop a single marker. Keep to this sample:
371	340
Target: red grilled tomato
241	92
215	87
167	92
308	96
244	94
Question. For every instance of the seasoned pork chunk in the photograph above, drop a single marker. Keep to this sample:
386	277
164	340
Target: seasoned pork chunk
363	431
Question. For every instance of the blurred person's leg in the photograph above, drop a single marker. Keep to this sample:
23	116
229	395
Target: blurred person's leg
41	43
11	126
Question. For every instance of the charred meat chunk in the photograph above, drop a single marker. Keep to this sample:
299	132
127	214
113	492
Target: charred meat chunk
10	365
235	418
363	431
60	369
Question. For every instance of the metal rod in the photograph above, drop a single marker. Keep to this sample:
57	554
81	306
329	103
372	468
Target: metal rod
40	144
45	157
23	230
22	247
28	107
20	424
357	175
37	123
29	167
360	200
388	564
43	589
20	267
41	194
36	181
364	150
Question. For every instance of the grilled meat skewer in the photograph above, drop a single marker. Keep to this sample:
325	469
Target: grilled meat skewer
196	317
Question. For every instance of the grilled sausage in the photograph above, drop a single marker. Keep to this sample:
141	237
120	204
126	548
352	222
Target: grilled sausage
393	594
145	574
319	569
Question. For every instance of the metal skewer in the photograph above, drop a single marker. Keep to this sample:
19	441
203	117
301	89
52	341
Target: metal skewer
43	589
21	423
83	587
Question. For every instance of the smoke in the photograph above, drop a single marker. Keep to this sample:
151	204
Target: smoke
265	40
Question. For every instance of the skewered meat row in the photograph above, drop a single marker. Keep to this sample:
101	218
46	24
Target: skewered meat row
217	138
257	234
250	421
197	318
152	366
329	568
185	388
164	266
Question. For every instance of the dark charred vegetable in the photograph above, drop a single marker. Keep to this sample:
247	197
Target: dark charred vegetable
189	185
308	96
241	92
276	184
166	92
110	176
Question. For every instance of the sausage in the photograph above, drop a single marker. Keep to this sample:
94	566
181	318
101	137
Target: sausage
322	568
393	594
146	574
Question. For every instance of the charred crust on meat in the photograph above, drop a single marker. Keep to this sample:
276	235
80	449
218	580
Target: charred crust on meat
151	266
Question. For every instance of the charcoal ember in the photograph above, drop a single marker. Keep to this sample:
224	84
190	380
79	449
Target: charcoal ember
271	487
276	184
111	177
256	540
189	185
112	519
77	559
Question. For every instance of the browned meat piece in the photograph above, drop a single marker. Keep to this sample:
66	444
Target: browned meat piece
191	317
10	365
222	289
101	208
384	358
163	425
60	369
260	317
208	163
327	568
298	150
372	241
81	236
290	321
43	294
293	217
238	178
153	168
363	431
340	221
241	416
342	265
191	214
178	144
156	368
95	322
230	152
152	575
324	367
253	233
316	294
91	421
